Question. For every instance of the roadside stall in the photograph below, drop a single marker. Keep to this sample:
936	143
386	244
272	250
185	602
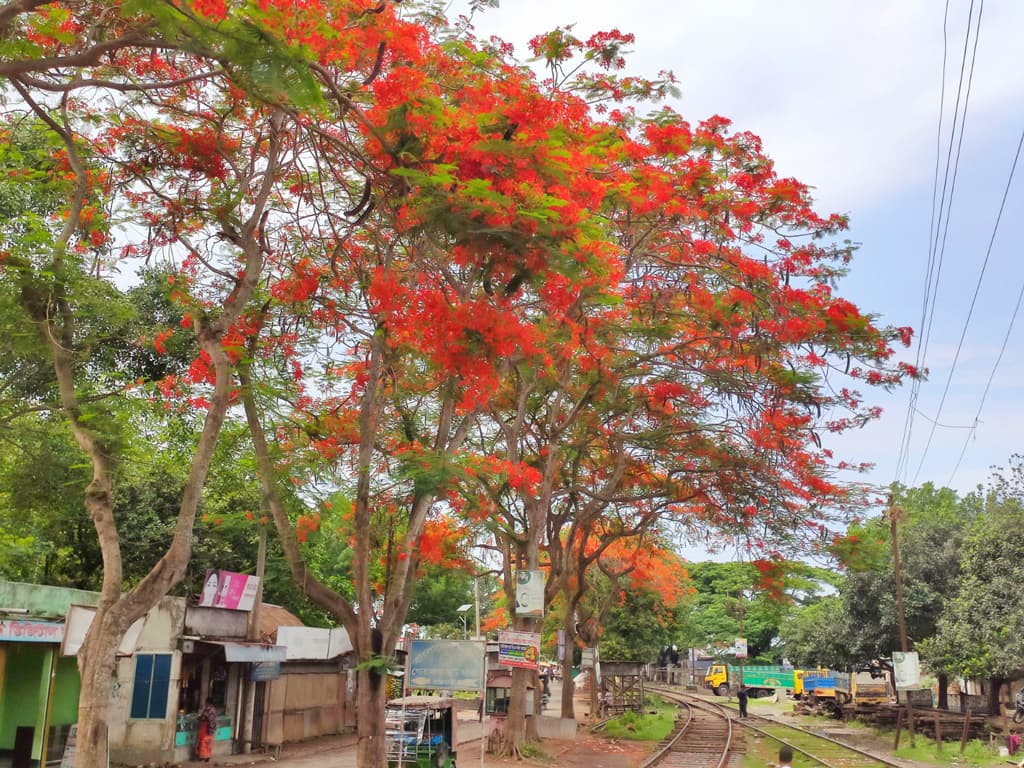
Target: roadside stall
421	731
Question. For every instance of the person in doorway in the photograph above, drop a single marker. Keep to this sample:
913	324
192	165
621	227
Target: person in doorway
205	728
785	756
741	697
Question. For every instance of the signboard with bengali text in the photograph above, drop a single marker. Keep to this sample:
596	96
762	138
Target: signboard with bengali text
445	665
519	649
741	648
31	631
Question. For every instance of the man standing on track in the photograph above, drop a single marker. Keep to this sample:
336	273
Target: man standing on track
741	697
785	756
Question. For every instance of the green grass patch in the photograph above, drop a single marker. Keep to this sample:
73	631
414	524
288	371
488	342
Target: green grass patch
976	753
531	751
643	727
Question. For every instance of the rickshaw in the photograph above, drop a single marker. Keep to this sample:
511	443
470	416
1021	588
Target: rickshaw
420	732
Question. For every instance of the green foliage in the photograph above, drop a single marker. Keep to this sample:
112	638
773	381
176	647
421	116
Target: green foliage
809	635
933	526
639	627
437	593
267	68
976	753
981	633
382	665
42	483
714	615
533	751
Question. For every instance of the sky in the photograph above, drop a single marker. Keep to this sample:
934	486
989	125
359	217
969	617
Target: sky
846	97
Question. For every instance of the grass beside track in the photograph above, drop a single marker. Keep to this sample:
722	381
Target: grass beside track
646	726
976	753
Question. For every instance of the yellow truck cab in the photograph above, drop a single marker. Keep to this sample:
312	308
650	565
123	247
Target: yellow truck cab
717	679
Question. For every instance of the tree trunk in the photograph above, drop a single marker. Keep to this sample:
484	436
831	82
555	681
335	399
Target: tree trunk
568	707
371	750
515	723
96	660
49	301
943	692
995	687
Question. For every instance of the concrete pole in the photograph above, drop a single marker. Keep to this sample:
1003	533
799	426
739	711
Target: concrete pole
894	514
476	604
253	634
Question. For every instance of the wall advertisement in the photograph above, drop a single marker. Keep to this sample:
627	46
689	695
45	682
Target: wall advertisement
519	649
224	589
530	594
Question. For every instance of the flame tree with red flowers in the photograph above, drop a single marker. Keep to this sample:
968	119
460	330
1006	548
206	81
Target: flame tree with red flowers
694	386
440	291
405	310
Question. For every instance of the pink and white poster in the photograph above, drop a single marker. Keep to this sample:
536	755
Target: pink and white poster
224	589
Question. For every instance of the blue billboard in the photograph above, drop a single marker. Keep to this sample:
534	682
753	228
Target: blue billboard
446	665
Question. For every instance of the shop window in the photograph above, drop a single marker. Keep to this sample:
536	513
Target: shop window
152	683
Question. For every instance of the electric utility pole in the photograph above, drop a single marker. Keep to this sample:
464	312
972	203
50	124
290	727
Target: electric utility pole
895	513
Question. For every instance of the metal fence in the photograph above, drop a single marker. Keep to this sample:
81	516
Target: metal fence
921	698
961	702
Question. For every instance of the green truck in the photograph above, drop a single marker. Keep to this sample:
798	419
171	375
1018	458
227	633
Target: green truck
761	680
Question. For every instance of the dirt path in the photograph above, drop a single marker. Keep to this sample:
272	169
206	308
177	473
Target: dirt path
587	751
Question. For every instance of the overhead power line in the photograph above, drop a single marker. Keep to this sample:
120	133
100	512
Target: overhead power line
941	213
1009	326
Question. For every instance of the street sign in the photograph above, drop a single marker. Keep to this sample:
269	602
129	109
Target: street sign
907	669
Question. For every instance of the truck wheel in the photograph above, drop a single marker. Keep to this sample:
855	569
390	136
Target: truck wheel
722	690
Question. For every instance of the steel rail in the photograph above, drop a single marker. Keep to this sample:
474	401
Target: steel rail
712	706
674	739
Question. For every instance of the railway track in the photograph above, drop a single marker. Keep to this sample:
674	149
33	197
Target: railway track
822	749
701	739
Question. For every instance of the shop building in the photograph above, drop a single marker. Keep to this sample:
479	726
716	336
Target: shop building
169	664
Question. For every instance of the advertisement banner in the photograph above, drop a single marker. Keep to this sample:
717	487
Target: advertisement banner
224	589
741	648
445	665
519	649
907	670
530	593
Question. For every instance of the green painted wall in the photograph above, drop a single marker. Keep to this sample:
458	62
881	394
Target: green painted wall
27	669
23	695
42	600
65	693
